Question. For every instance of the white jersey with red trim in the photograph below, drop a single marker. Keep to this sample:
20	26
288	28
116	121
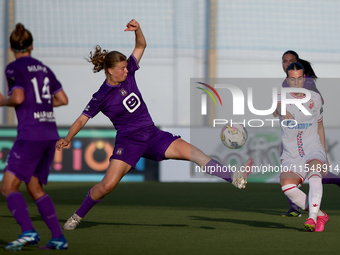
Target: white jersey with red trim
300	135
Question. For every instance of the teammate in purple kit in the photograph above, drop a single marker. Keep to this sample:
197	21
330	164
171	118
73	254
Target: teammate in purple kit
33	90
120	100
289	57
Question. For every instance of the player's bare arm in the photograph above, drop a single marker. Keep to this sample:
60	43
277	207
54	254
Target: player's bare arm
16	98
60	99
76	127
140	45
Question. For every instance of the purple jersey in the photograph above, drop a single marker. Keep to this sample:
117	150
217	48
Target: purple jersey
308	84
36	120
122	104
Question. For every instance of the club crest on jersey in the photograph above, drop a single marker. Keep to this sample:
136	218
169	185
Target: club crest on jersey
310	104
123	92
119	151
11	81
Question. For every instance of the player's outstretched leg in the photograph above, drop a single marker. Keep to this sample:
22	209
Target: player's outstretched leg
237	178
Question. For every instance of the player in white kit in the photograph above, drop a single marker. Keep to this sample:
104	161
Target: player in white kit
304	150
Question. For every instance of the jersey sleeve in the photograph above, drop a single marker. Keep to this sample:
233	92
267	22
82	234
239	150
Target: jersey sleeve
93	107
132	65
55	85
15	79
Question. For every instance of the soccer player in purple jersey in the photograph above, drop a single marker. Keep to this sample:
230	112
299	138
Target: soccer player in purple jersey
289	57
33	90
120	100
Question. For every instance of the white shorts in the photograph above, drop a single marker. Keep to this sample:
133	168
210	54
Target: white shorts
299	165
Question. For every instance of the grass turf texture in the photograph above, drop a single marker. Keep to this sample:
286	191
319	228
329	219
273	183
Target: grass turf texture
181	218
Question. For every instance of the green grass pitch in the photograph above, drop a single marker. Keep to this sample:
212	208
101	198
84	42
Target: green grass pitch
181	218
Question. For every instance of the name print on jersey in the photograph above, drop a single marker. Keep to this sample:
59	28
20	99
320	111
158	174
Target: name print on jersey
44	116
293	124
36	68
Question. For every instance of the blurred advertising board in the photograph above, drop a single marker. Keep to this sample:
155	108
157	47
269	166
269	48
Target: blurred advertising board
85	159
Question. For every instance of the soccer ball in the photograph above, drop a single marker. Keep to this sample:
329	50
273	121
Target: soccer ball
234	136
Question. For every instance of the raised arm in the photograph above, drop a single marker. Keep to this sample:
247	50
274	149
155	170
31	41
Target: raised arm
76	127
140	46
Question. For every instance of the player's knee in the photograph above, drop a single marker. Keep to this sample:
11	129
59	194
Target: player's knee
35	192
3	191
283	182
315	174
107	187
8	188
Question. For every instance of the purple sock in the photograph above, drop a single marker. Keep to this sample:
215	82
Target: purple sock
293	207
18	207
47	211
86	205
213	167
330	178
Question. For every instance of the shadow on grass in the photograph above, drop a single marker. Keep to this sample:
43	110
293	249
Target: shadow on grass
251	223
89	224
257	197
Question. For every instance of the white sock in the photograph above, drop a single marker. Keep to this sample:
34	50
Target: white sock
297	196
315	195
321	213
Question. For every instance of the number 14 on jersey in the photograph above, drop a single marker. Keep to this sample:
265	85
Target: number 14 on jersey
45	92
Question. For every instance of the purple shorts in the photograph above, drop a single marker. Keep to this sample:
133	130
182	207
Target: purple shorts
150	143
31	158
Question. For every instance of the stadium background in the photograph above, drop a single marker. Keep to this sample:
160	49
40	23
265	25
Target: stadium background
186	39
